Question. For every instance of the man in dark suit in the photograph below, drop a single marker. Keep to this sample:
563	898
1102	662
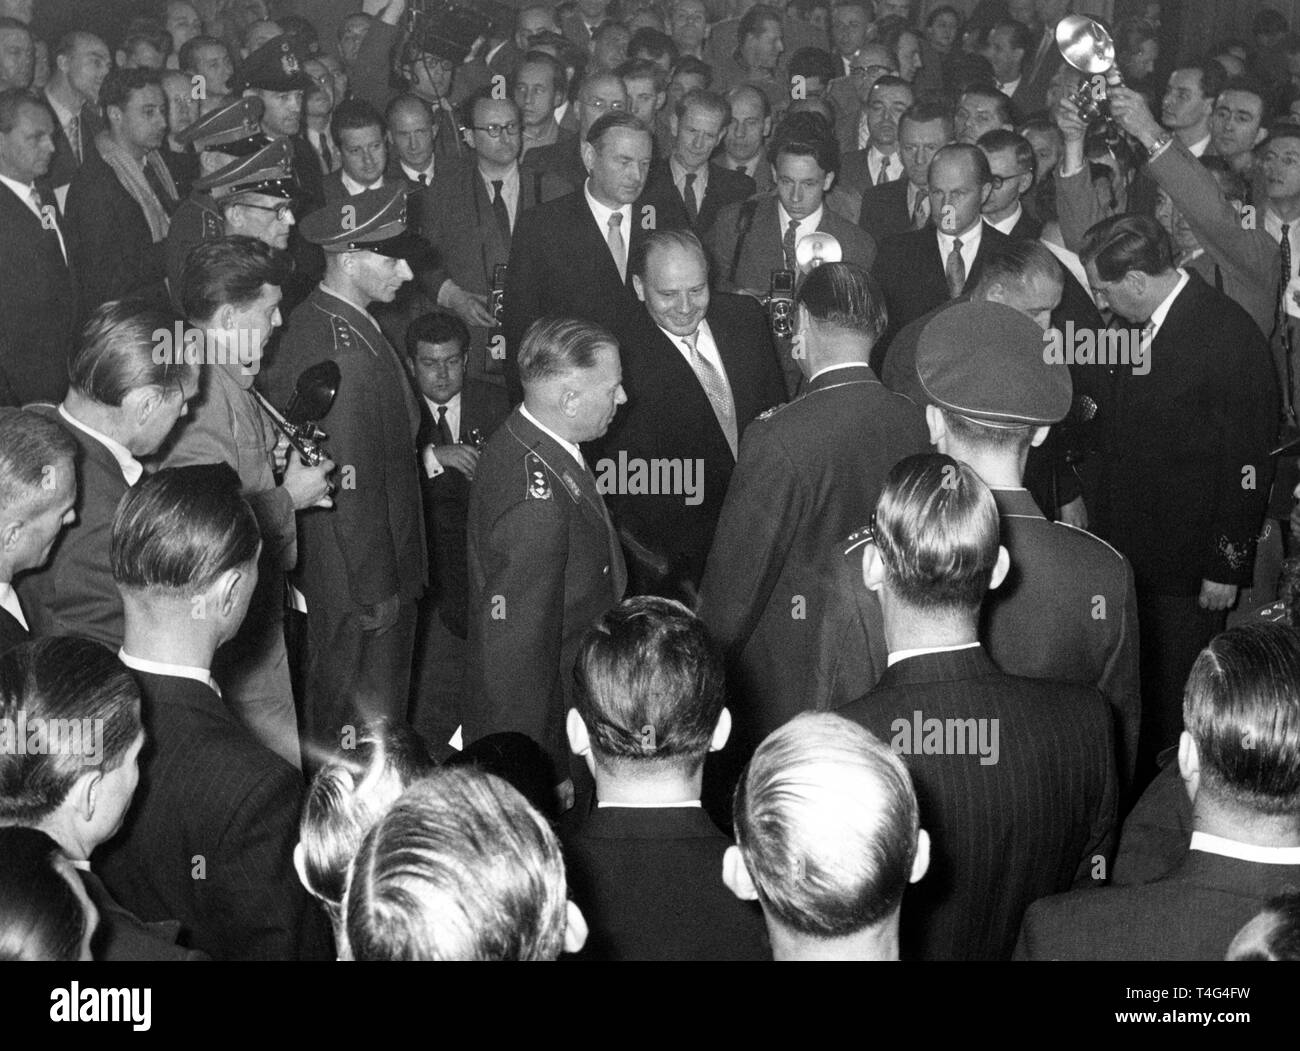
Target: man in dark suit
122	197
561	165
38	481
362	565
703	188
471	219
696	369
540	84
569	257
922	269
80	799
1041	65
851	93
1239	763
1011	163
35	269
1067	609
904	204
1187	512
210	838
81	61
821	793
359	130
457	415
880	161
744	149
1016	777
822	458
645	861
544	559
123	399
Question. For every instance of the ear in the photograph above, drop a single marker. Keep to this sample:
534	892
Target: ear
1039	436
84	795
736	876
141	403
1026	181
120	58
938	429
638	286
9	535
569	403
588	156
986	193
575	928
920	863
1189	764
575	729
873	568
226	317
467	137
826	182
721	732
672	123
227	589
1260	136
1000	568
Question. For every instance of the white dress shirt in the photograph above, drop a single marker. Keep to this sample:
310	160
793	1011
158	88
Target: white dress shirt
24	193
353	187
1005	226
708	348
176	671
432	467
509	192
1231	848
565	444
892	162
602	214
679	180
970	245
833	368
649	806
1009	88
414	176
1199	147
1273	225
10	604
131	468
1161	312
807	225
902	655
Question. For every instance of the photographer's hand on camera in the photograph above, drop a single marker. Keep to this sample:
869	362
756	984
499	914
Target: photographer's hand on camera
469	307
1130	110
307	486
463	458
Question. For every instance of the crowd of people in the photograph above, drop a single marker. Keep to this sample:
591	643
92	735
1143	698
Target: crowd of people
646	480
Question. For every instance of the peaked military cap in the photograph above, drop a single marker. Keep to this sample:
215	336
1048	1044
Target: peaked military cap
372	221
277	66
989	362
235	128
269	171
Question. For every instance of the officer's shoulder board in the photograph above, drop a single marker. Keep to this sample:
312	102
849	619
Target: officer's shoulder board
343	335
536	479
767	414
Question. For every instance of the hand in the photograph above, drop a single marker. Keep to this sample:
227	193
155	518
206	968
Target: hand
564	795
462	457
1074	513
470	308
1217	596
1130	109
1068	120
307	486
380	617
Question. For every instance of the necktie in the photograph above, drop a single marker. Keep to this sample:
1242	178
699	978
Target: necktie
921	211
444	428
73	131
787	245
617	247
1286	273
499	208
955	269
715	388
882	176
692	208
326	154
424	179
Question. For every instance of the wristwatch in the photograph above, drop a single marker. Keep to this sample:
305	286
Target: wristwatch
1158	147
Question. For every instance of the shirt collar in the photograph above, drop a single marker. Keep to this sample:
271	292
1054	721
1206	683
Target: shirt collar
1159	314
414	176
603	212
60	110
1199	147
902	655
23	190
1005	226
131	468
969	240
1231	848
649	806
841	365
175	671
679	173
353	187
452	403
9	602
342	298
811	222
565	444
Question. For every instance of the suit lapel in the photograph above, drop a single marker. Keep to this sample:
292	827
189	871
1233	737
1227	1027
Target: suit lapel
597	247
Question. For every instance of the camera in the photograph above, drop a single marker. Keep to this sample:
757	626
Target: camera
497	296
780	303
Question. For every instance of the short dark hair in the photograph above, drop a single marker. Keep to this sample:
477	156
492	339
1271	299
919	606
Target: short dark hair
485	94
1126	242
654	42
1131	33
41	917
751	89
846	296
1268	22
1253	86
1021	38
810	62
612	120
1213	76
690	66
31	446
81	684
925	110
560	75
229	271
353	114
554	346
945	9
704	99
1282	942
985	90
460	867
643	69
1015	263
178	530
754	20
936	528
890	30
12	100
188	55
1000	139
343	22
889	80
121	84
806	135
117	353
71	40
437	326
649	684
1242	708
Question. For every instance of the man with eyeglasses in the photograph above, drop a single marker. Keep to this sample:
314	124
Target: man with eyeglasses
472	218
1011	160
852	94
600	93
904	204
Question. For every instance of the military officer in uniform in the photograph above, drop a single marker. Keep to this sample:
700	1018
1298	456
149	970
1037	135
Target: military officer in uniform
363	565
544	559
1067	609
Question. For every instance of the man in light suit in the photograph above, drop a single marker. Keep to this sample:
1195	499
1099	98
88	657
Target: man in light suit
1240	766
645	861
123	399
697	368
544	558
1023	802
38	483
569	257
